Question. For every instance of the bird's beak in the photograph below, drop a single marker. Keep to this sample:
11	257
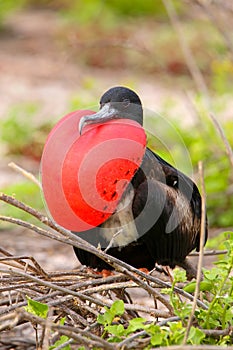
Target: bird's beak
104	114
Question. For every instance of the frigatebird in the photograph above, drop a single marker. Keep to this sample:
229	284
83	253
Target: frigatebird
158	217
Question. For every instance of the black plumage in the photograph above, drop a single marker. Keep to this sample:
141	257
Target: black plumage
158	218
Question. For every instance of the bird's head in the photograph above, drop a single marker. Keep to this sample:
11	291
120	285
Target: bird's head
117	103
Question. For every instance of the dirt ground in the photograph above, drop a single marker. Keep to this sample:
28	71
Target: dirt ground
35	67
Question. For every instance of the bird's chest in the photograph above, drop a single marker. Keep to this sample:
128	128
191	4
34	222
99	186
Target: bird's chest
120	229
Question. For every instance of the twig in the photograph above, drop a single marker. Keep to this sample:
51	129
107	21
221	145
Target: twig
61	290
116	285
120	266
228	148
188	56
176	289
210	252
54	286
117	264
76	333
18	259
112	240
215	21
83	296
71	239
129	340
44	341
218	333
25	173
170	319
8	321
200	260
18	204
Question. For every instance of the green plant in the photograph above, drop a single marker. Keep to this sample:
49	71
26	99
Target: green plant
171	334
211	321
219	313
62	339
112	10
116	332
204	143
20	134
36	308
200	141
17	127
222	75
40	309
26	191
181	309
8	6
217	292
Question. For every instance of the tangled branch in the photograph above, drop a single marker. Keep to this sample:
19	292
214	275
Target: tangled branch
80	294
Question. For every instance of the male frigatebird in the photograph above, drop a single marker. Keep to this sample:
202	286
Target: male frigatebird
101	181
158	217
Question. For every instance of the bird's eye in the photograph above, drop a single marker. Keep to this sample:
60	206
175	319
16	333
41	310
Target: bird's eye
126	102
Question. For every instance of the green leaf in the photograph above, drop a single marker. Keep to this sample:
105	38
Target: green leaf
117	330
136	324
62	321
114	339
63	339
36	308
157	339
158	335
175	326
179	275
204	286
195	336
105	318
212	274
117	308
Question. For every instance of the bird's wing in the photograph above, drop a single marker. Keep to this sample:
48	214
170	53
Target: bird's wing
175	179
187	187
167	209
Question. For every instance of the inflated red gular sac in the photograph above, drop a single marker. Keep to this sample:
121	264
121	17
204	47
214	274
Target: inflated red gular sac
101	182
84	176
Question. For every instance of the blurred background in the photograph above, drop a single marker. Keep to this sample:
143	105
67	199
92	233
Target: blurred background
59	56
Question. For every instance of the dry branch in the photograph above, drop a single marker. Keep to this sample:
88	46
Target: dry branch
67	237
79	294
188	56
25	173
219	129
201	254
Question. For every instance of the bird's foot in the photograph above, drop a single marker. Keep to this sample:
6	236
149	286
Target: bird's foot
95	272
144	269
105	273
168	273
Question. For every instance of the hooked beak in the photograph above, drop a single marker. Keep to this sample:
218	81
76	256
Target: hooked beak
104	114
